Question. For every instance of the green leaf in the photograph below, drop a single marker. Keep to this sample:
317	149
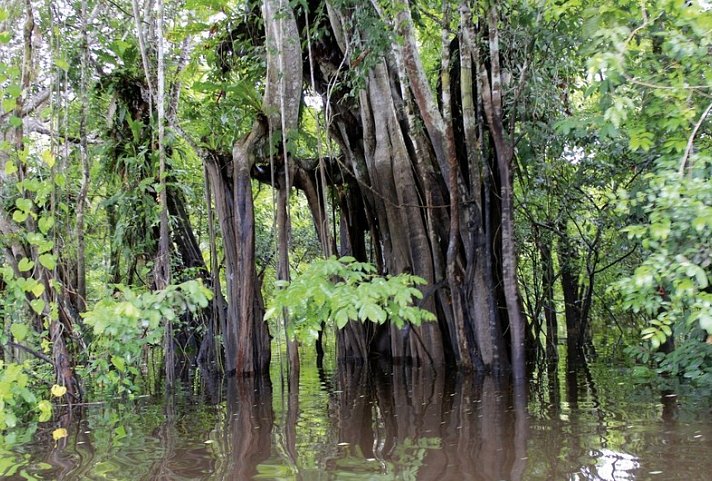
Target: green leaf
8	105
45	246
10	420
19	216
37	305
48	158
118	363
341	318
49	261
25	264
120	432
701	278
61	63
373	313
60	180
648	332
45	409
38	289
45	223
25	205
660	230
10	167
28	285
19	331
13	90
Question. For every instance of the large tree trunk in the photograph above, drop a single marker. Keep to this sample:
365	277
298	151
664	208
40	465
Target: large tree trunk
247	344
282	98
425	188
491	87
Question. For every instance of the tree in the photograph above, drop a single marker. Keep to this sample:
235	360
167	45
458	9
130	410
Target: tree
656	76
425	200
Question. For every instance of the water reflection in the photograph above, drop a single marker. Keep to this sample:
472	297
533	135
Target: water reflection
423	424
248	436
381	423
420	424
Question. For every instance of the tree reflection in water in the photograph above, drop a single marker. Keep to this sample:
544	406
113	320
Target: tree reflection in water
249	426
370	422
417	423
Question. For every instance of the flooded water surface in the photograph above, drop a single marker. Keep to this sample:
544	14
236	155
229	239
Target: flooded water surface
368	423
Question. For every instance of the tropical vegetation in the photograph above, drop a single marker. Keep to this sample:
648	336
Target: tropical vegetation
187	186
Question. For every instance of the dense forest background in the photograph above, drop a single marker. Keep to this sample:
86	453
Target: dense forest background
187	187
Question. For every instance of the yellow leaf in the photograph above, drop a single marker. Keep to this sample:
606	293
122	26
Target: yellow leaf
58	391
59	433
48	158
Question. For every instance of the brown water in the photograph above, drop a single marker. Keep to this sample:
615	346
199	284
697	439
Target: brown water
406	424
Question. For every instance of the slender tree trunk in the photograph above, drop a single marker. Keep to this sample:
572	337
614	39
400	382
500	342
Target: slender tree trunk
570	290
283	231
163	263
492	101
84	189
247	325
549	303
209	353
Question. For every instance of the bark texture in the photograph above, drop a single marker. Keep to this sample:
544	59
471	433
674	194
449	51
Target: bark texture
247	349
425	181
432	183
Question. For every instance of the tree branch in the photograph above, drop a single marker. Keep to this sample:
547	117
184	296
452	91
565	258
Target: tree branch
691	140
29	350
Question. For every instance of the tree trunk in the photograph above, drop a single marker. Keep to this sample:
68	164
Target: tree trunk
549	303
423	184
247	344
84	189
283	234
570	289
492	102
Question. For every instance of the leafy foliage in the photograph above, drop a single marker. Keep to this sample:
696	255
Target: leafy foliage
124	325
17	396
653	66
670	287
337	291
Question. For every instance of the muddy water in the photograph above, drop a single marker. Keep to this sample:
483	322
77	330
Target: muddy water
384	424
